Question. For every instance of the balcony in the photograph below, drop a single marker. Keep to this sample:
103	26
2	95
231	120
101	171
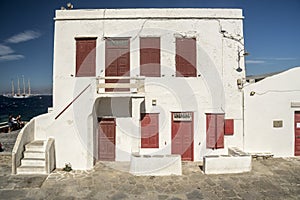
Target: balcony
121	86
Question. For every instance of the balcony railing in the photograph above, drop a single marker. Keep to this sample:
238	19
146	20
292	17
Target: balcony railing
120	84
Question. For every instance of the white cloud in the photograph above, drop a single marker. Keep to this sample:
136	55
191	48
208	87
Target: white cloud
11	57
285	58
277	58
25	36
255	61
4	50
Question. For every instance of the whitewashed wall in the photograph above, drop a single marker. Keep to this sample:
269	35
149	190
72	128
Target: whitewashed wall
272	101
214	90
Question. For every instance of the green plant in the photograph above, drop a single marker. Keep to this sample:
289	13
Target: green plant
68	167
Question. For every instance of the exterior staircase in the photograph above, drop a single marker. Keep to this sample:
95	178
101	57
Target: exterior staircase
34	160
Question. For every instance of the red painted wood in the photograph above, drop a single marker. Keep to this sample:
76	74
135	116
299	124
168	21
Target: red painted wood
210	131
220	131
117	60
149	130
214	131
297	134
85	57
107	139
183	139
229	127
150	57
186	57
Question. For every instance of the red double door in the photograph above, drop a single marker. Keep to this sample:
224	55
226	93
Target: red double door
183	136
117	61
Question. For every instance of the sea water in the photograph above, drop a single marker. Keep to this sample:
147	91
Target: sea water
27	107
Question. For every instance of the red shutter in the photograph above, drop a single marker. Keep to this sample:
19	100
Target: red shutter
210	131
150	57
215	131
186	57
149	130
220	131
229	126
85	57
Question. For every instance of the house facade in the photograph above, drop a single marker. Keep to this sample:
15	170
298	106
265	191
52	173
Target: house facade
272	115
145	81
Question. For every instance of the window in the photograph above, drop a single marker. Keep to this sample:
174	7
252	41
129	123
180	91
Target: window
150	57
85	57
149	130
214	131
186	57
229	127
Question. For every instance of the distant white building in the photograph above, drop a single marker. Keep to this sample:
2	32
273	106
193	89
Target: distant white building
272	115
147	81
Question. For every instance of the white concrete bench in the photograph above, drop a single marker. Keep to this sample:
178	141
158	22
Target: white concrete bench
236	162
155	165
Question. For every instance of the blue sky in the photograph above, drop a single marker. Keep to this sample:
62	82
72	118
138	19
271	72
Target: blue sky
271	30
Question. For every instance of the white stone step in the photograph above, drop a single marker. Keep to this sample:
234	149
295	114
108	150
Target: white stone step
34	162
31	170
34	154
37	145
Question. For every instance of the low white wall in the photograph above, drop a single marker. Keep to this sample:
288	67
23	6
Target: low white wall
155	165
226	164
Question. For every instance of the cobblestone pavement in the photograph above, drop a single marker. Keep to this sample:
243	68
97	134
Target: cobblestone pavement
274	178
8	140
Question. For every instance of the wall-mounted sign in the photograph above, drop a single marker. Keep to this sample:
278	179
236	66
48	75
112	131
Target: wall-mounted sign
277	123
298	125
182	116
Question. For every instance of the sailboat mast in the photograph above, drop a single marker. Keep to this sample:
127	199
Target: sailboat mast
19	91
12	88
29	89
24	92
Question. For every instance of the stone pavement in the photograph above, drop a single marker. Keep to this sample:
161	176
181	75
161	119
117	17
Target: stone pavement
274	178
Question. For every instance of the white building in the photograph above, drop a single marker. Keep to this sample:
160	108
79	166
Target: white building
147	81
272	115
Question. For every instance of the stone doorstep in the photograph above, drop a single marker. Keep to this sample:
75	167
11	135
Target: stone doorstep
31	170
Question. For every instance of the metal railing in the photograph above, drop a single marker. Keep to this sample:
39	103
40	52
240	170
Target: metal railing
120	84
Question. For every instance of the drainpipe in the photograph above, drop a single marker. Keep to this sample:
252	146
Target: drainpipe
243	113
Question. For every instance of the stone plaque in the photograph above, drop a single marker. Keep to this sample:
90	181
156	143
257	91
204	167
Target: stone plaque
277	123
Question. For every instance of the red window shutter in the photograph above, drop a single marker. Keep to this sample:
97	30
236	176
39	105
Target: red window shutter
214	131
220	131
210	131
150	57
149	130
186	57
229	126
85	57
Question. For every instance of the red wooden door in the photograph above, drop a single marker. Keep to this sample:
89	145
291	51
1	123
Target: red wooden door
107	139
85	57
214	130
186	57
182	138
117	61
150	57
149	130
297	133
